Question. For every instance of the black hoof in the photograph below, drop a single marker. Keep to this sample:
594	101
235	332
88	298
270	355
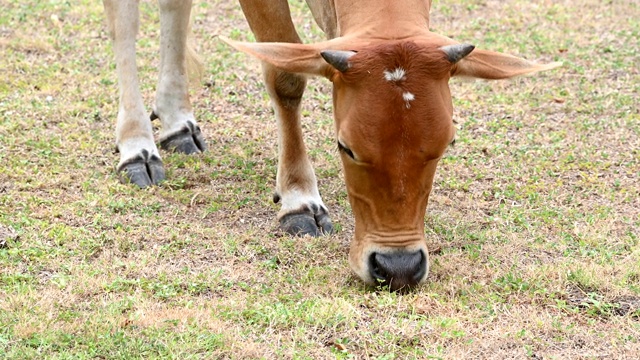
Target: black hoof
307	222
189	140
142	170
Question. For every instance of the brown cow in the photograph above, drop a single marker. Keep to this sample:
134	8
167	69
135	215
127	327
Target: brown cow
392	108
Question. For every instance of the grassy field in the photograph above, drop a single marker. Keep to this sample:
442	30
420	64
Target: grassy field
532	226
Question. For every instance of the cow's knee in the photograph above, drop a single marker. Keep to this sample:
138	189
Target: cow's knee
286	88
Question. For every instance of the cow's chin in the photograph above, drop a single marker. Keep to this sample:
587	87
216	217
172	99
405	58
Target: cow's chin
393	268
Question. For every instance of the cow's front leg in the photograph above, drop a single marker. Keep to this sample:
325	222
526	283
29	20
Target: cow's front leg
180	132
140	161
302	211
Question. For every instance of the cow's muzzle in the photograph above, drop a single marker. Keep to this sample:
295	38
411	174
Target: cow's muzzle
399	270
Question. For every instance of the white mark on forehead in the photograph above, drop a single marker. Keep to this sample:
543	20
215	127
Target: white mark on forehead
396	75
408	97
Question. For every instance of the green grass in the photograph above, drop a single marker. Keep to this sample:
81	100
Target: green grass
532	225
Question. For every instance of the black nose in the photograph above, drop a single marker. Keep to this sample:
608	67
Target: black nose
398	269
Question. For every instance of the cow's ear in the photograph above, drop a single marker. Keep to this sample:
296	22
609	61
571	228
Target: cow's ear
290	57
493	65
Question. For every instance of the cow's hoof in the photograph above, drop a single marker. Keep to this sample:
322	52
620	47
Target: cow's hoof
189	140
142	170
307	222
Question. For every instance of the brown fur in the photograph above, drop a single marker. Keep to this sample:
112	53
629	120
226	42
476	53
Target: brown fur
421	61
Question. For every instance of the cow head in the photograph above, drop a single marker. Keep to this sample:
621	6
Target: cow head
393	118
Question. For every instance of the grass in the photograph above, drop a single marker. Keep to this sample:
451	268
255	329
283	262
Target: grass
532	225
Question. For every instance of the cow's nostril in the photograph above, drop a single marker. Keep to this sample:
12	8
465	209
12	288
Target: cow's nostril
378	269
398	269
421	268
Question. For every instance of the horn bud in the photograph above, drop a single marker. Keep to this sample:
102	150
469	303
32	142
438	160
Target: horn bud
457	52
339	59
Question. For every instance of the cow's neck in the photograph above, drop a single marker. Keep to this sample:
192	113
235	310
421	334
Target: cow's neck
390	19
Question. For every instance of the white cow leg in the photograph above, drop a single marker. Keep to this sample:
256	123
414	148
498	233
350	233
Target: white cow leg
180	132
302	211
140	161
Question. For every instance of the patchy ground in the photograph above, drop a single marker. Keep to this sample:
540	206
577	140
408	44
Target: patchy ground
533	223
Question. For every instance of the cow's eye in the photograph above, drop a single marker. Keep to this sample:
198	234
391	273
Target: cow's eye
346	150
